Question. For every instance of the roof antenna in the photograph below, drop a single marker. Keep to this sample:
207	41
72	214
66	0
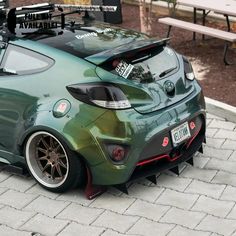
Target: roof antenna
63	20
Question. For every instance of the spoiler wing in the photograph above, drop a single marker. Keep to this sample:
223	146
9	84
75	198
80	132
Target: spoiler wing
132	48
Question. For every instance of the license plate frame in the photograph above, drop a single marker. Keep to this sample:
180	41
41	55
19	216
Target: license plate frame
180	134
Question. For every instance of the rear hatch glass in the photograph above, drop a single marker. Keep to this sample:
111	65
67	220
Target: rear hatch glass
144	66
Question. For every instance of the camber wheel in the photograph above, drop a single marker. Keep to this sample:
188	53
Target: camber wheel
52	163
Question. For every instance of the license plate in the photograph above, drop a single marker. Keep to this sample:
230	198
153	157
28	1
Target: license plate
180	133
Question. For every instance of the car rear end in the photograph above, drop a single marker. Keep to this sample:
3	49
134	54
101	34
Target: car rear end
155	111
163	126
150	105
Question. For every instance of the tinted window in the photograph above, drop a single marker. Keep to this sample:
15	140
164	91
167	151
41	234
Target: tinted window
84	42
82	39
144	66
21	61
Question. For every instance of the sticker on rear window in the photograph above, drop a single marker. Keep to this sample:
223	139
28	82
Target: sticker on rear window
93	34
124	69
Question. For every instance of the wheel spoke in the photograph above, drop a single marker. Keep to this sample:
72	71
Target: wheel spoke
53	172
45	143
51	142
60	162
61	156
44	151
59	170
46	166
57	148
43	158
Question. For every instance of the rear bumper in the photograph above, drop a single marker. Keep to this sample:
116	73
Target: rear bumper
165	162
137	167
142	134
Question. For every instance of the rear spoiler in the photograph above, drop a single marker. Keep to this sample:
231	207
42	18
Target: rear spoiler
121	51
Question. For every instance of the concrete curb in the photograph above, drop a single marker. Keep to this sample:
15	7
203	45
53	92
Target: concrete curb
221	109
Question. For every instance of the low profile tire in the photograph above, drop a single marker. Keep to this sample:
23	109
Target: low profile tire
52	164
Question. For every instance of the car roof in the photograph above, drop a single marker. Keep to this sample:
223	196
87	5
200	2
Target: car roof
82	40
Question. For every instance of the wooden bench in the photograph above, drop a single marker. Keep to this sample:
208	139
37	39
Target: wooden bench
205	30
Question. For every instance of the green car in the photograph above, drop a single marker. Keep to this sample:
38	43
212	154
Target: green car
94	102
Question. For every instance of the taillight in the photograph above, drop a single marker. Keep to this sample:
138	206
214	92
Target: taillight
104	95
188	69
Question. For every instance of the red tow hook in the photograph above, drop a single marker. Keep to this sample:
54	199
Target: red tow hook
93	191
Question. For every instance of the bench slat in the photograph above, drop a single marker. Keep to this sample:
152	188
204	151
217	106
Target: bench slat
228	36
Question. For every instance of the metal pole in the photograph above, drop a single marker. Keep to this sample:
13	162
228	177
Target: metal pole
203	21
194	21
228	22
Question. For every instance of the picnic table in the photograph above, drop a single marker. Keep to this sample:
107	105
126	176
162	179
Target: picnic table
225	7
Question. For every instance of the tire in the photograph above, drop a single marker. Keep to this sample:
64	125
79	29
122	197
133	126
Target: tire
52	164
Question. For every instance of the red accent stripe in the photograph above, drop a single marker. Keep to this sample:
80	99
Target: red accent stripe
194	136
158	158
153	159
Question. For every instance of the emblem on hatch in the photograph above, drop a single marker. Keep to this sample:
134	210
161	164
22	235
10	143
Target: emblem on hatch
169	87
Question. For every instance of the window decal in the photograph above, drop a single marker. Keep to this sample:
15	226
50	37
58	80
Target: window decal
124	69
93	34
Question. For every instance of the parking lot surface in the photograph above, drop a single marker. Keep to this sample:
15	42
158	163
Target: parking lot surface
201	201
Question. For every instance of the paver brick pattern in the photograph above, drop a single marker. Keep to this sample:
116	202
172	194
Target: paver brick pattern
200	202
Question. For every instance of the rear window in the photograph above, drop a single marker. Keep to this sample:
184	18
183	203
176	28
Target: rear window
145	66
85	42
21	61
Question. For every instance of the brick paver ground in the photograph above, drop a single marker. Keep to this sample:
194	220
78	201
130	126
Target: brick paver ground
200	202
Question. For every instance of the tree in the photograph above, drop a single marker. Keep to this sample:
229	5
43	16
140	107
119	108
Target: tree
172	7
